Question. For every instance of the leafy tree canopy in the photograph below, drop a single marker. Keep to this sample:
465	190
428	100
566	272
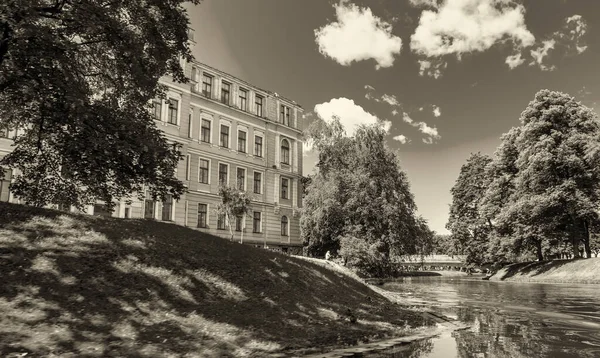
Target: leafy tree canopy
76	77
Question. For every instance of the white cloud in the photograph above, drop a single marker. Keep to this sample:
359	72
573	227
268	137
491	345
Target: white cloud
369	88
436	111
356	36
401	138
428	140
576	27
395	112
430	3
430	132
390	99
464	26
539	53
351	115
420	109
406	118
514	61
431	69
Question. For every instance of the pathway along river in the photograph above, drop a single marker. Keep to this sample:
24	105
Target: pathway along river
508	319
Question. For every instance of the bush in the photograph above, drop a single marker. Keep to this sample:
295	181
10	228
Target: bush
369	260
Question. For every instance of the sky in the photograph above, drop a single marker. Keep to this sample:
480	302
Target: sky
447	77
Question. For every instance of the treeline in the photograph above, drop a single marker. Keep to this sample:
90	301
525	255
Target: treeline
359	204
538	195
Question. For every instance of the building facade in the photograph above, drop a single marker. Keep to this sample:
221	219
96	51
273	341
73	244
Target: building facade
231	133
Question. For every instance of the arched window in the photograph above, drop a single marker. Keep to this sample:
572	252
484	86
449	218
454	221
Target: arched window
284	226
285	151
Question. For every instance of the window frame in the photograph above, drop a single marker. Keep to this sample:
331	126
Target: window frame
200	169
221	125
172	109
155	103
170	206
285	230
285	159
209	85
243	105
219	174
245	149
188	166
239	223
237	178
254	183
205	213
221	219
260	105
257	229
202	130
285	115
284	194
262	141
228	92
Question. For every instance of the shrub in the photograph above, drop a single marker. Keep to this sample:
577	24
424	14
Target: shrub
369	260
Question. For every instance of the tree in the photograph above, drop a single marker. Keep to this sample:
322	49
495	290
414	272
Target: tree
234	204
359	192
468	228
77	77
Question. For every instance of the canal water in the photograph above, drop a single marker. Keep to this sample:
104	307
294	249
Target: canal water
507	319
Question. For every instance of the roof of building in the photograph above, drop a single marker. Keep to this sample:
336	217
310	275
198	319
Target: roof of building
237	79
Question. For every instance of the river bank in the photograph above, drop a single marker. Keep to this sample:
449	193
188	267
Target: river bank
555	271
79	285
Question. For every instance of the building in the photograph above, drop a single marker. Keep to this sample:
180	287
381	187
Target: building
231	132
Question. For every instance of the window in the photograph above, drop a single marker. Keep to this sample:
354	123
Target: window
241	141
202	215
187	167
258	146
5	184
243	99
205	131
167	208
221	222
190	118
173	107
207	81
285	151
256	222
225	90
149	207
285	115
157	104
259	105
127	213
223	174
241	178
238	223
284	188
224	138
284	226
257	182
203	173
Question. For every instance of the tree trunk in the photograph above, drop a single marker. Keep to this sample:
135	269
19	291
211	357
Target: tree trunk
242	228
575	246
228	217
538	246
586	241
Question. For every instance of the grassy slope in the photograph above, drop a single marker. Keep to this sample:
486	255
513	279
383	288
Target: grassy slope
76	285
559	271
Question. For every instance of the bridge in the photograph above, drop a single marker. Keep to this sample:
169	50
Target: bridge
433	261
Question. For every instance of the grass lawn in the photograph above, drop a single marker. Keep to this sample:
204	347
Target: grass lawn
555	271
82	286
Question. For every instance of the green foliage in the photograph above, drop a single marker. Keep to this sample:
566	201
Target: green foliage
234	203
368	259
469	230
76	78
541	190
361	192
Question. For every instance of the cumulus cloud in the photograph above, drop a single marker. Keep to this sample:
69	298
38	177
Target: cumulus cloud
430	132
539	53
567	41
369	88
429	3
358	35
514	60
351	115
395	112
431	68
465	26
390	99
436	111
401	138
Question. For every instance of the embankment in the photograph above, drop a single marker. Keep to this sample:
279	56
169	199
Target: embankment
78	285
555	271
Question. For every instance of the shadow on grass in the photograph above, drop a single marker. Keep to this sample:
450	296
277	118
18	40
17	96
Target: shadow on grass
532	269
77	285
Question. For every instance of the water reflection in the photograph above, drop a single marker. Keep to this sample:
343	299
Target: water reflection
508	319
